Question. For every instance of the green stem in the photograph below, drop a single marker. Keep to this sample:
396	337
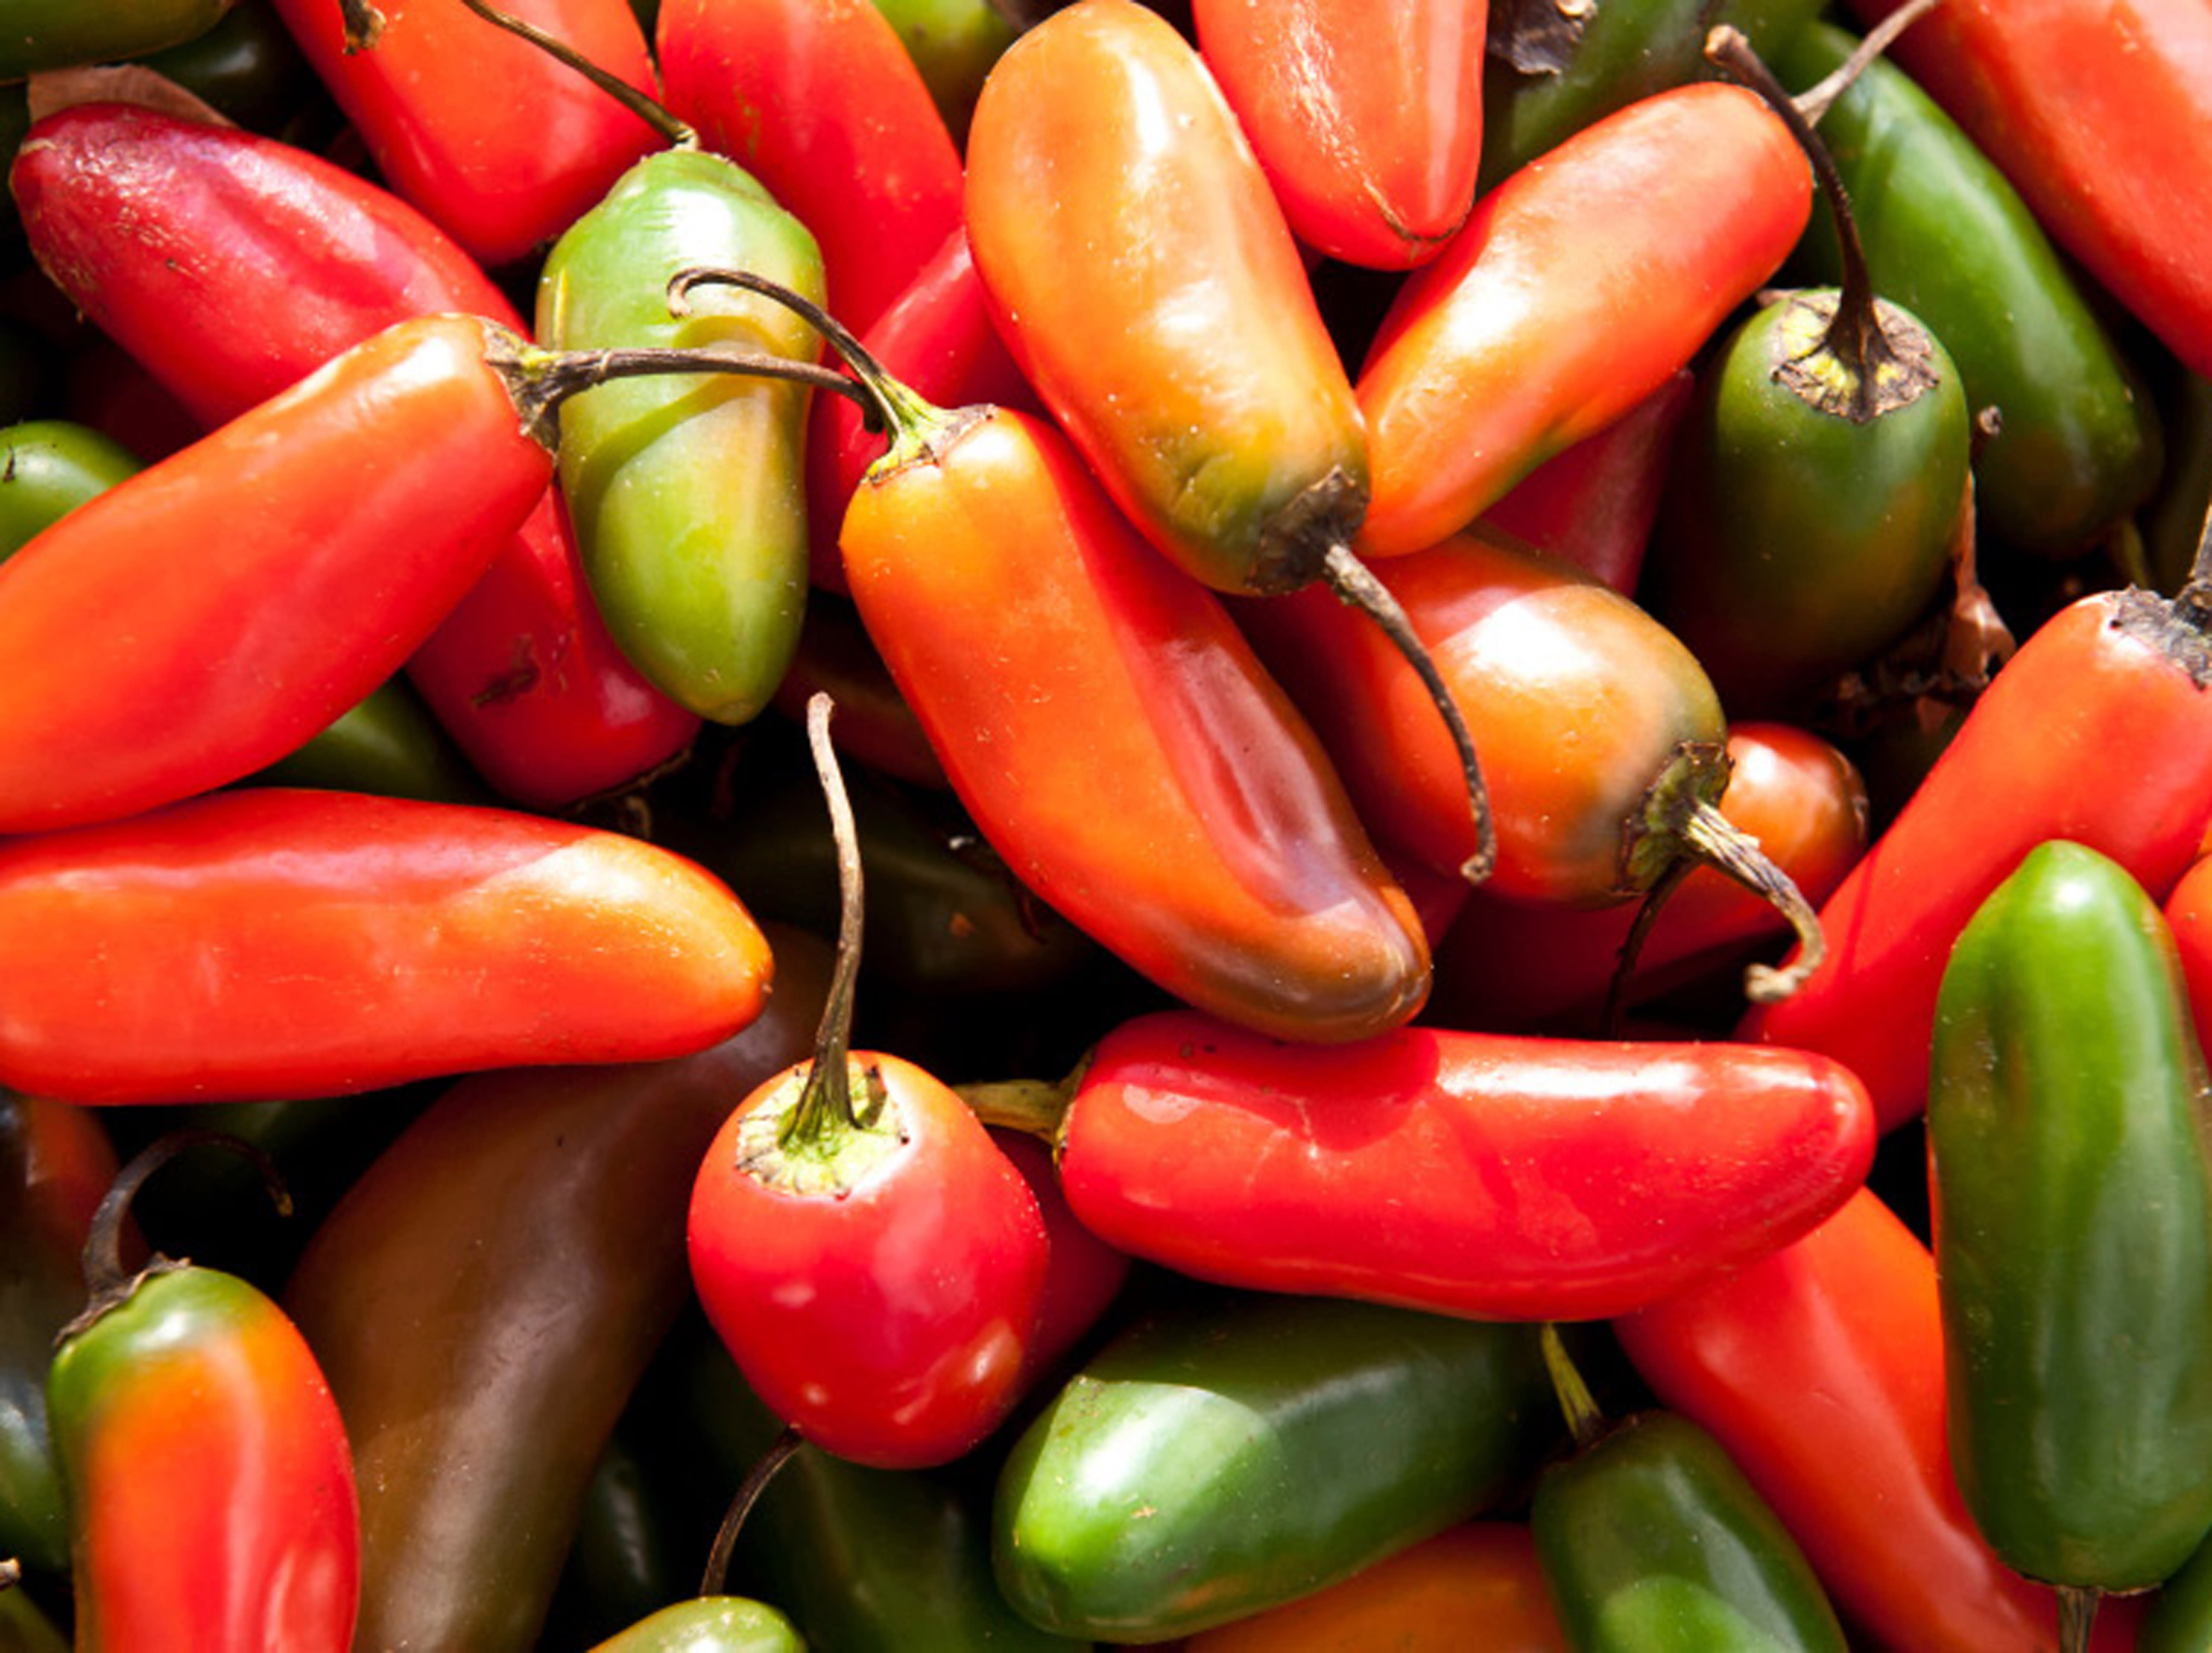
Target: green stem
1585	1419
1037	1108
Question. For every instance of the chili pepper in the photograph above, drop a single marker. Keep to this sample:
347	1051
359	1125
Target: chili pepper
2073	1219
1475	1583
209	1486
822	104
622	1566
953	43
1090	754
1604	740
23	1627
1593	504
709	1625
2188	913
1367	120
1488	363
864	1560
1555	69
2079	443
2179	1618
2112	685
248	68
271	943
1083	1275
55	1164
48	467
387	743
1512	965
484	1301
233	230
874	723
1812	502
1465	1174
2172	516
56	34
2088	113
1651	1540
870	1260
501	175
1233	1451
686	492
1820	1369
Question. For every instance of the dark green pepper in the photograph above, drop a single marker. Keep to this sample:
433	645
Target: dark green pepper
249	68
1554	67
43	35
953	43
2068	1158
387	743
687	490
1237	1450
23	1628
2079	443
2180	1617
48	467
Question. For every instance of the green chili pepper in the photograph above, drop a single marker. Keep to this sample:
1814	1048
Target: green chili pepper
387	743
65	33
2079	443
1237	1450
23	1628
2180	1617
48	467
2073	1234
1555	68
711	1625
953	43
686	489
249	68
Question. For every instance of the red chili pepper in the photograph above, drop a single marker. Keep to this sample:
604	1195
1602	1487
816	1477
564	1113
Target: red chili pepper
1475	1174
1367	118
1580	285
819	101
1083	1273
1820	1369
2099	730
2092	109
249	265
2189	911
270	942
500	174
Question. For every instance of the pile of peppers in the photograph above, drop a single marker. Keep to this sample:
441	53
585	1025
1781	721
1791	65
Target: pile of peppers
1236	824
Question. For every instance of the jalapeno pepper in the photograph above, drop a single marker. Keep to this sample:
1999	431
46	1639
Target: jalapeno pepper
708	1626
1234	1451
953	43
2074	1228
48	467
55	35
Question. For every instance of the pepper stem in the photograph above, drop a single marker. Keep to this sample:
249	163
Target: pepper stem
825	1106
540	381
1816	100
1713	838
1037	1108
1854	336
1632	945
2192	604
2077	1613
1355	587
715	1580
107	1283
678	133
1585	1419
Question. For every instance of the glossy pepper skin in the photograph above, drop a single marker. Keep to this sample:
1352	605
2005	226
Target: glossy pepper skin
1089	750
1141	272
2068	1162
234	230
486	1297
270	942
1465	1174
1849	1314
711	1625
686	490
48	467
822	104
2089	108
1367	120
209	1484
1653	1541
501	175
1236	1451
2113	685
236	587
1950	239
55	35
1488	362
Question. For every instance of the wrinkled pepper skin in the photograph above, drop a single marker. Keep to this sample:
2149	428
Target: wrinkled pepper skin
1235	1451
2072	1195
268	943
2114	684
1080	692
1460	1173
485	1298
1950	239
1141	272
2092	107
1654	1542
685	489
1489	362
209	1484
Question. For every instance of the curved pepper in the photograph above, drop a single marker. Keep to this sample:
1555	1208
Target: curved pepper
2069	1164
1465	1174
712	1625
48	467
271	943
